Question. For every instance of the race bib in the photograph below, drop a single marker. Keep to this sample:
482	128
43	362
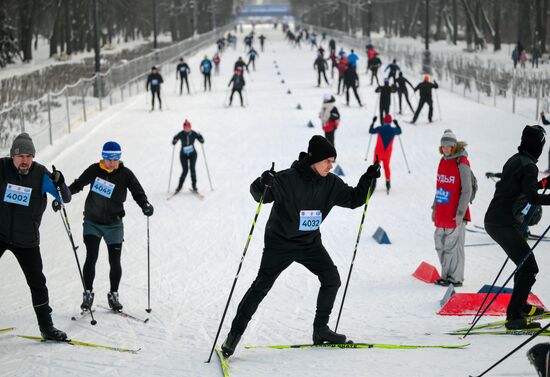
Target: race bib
18	195
103	187
154	82
188	149
182	69
442	196
310	220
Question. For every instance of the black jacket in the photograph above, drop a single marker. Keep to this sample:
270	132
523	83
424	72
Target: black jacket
183	69
187	138
301	188
320	63
241	64
19	224
238	82
425	88
385	92
100	209
150	78
350	77
402	84
517	187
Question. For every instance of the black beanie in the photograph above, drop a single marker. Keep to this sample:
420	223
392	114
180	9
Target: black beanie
532	140
22	145
320	149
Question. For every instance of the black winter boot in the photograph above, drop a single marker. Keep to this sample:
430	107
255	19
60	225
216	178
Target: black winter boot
230	343
521	324
112	299
531	310
325	335
87	300
51	333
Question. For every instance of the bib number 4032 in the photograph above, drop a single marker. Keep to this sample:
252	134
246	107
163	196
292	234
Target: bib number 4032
310	220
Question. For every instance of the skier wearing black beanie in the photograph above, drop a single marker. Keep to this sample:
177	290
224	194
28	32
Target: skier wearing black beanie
302	198
515	193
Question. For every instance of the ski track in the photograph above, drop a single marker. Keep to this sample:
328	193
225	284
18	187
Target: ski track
196	245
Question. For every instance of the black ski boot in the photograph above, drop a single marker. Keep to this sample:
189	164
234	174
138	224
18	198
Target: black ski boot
388	186
112	299
539	356
521	324
87	300
325	335
51	333
531	310
230	343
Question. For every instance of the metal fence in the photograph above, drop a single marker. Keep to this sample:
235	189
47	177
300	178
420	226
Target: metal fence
519	91
56	114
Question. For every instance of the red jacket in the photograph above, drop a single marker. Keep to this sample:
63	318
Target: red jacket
447	193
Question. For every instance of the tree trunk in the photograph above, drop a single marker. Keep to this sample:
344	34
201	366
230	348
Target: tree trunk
538	24
68	26
524	22
455	21
496	21
55	37
27	9
544	26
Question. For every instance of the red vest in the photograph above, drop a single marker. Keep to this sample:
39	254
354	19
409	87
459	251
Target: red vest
447	194
331	125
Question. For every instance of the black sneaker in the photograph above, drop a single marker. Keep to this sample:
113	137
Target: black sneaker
325	335
112	299
539	356
87	300
531	310
51	333
455	284
388	186
442	282
230	343
521	324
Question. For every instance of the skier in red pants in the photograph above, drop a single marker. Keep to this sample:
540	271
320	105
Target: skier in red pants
384	144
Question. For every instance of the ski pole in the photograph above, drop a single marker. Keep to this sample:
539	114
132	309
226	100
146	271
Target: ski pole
404	155
65	220
148	310
507	280
239	269
515	349
438	106
245	97
368	148
524	227
369	194
226	95
206	165
171	166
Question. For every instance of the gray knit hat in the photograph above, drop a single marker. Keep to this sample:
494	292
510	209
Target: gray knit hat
22	145
448	139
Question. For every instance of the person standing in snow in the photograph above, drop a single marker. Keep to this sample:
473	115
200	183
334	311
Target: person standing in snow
353	58
351	80
293	232
109	181
385	97
188	154
342	66
393	68
23	187
238	85
154	80
262	39
516	191
384	144
402	91
216	60
252	55
206	70
321	65
425	88
330	117
240	64
450	211
183	70
375	64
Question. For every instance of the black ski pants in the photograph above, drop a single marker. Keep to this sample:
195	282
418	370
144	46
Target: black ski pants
374	75
354	92
92	253
517	249
429	101
207	81
341	81
330	136
188	161
155	91
182	78
240	95
30	261
319	73
384	109
405	93
273	263
253	62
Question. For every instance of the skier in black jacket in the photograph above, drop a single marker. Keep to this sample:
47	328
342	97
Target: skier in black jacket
374	64
385	97
154	80
238	85
23	187
425	88
303	196
183	70
517	192
321	65
240	64
109	181
351	80
402	91
188	154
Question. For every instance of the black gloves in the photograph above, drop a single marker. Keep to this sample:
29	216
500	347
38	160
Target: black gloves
395	122
57	177
268	176
373	171
147	209
56	205
374	120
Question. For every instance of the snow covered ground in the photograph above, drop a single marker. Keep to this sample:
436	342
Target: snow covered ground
196	245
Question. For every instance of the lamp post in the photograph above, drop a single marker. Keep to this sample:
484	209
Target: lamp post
97	68
155	24
426	58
